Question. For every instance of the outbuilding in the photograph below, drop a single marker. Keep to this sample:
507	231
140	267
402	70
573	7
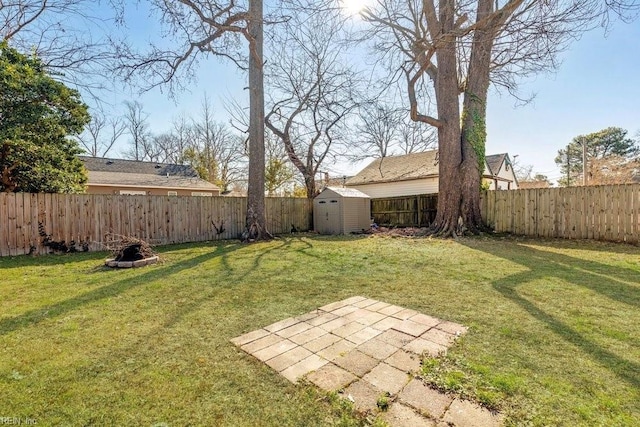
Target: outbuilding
339	210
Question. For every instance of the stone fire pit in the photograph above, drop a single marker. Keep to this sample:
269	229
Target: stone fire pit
134	254
111	262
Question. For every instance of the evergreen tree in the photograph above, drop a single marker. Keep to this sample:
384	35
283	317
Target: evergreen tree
37	116
610	142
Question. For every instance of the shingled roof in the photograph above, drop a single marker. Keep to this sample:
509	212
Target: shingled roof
120	172
494	161
101	164
398	168
412	166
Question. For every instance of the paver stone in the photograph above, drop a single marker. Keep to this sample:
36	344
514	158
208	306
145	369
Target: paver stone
426	400
399	415
363	395
377	348
405	361
467	414
387	378
312	363
356	362
331	377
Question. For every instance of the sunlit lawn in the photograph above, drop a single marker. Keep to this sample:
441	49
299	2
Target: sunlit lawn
554	338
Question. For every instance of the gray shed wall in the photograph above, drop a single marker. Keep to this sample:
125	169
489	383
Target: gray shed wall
356	215
338	214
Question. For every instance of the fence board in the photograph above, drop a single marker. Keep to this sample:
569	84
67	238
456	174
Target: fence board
608	212
158	219
32	231
409	211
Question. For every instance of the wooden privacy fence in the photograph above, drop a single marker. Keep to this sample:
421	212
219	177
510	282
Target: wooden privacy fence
607	212
407	211
89	219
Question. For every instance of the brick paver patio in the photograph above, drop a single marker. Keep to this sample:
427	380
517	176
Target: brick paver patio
366	349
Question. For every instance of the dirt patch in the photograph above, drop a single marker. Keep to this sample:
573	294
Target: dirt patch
400	232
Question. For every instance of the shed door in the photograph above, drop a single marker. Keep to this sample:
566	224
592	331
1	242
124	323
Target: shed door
328	217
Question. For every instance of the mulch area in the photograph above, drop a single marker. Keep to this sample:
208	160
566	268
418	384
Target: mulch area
400	232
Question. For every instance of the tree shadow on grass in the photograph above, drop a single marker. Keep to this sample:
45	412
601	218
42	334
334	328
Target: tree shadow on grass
612	282
304	245
583	245
49	260
157	272
617	283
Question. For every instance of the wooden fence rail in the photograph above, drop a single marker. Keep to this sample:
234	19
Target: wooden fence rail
407	211
85	218
607	212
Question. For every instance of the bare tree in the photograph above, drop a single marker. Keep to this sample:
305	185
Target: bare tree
377	131
136	125
62	34
214	151
614	169
182	138
210	28
415	137
459	47
312	92
385	131
101	134
278	168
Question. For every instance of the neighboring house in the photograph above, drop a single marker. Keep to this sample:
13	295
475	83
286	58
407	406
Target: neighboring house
417	173
118	176
395	176
499	172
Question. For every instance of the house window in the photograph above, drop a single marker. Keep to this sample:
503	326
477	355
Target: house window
132	193
172	193
201	194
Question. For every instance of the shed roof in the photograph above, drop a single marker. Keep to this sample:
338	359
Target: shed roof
398	168
345	192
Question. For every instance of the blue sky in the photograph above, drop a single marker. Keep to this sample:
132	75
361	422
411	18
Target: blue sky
596	86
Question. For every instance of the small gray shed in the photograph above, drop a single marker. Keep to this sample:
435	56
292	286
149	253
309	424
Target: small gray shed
341	211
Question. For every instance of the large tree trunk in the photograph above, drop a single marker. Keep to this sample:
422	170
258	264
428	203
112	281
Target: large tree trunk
474	112
255	219
450	154
310	184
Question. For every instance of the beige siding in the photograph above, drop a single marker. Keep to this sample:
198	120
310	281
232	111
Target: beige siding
508	175
400	188
356	215
116	190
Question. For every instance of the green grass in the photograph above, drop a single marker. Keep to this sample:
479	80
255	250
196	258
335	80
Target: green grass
554	329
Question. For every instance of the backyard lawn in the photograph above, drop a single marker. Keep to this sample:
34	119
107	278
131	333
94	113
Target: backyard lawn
554	333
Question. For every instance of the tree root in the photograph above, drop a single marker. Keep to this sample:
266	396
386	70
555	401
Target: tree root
254	231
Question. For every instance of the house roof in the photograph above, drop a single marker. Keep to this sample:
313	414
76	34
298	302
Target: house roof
132	173
346	192
398	168
338	181
413	166
101	164
494	161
